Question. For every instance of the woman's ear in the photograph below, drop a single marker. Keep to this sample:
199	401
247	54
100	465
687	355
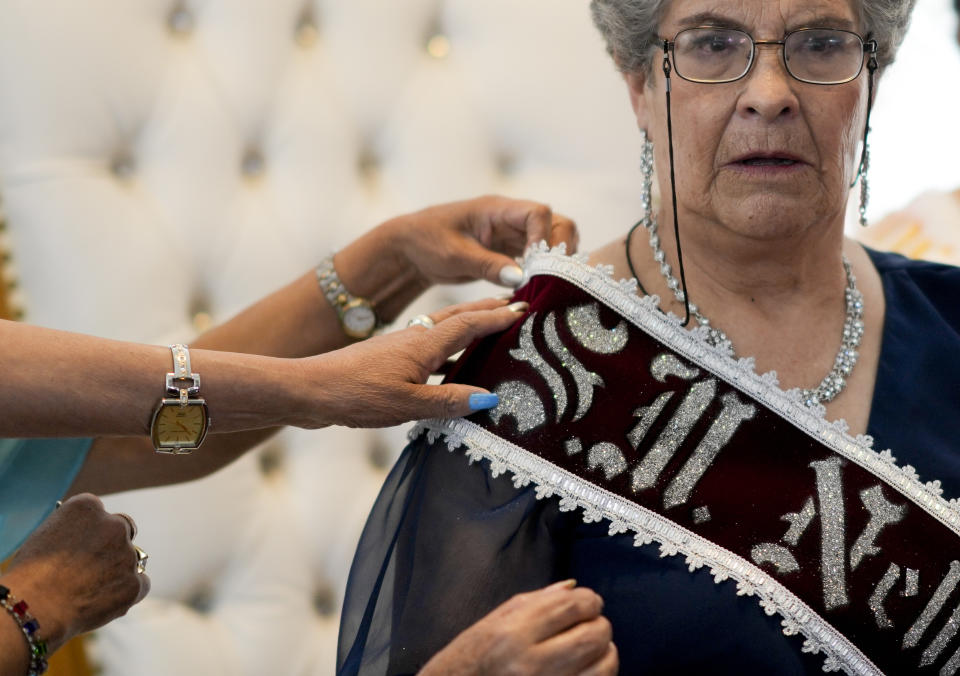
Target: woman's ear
636	86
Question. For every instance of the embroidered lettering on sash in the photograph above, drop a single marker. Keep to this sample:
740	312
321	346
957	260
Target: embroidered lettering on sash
701	514
585	380
584	323
799	521
734	412
648	415
520	402
528	352
912	638
683	420
608	457
879	595
830	494
779	556
882	514
668	365
912	583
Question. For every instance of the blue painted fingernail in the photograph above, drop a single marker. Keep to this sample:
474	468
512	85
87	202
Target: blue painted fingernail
481	402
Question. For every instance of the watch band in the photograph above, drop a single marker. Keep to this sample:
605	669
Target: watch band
182	382
340	299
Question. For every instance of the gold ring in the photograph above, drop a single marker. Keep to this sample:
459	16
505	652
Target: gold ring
422	320
130	522
142	557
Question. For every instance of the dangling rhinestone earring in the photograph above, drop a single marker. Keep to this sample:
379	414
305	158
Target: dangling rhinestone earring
646	172
864	184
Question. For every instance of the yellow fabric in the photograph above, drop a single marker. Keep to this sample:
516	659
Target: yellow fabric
70	660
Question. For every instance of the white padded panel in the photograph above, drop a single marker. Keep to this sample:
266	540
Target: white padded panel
149	172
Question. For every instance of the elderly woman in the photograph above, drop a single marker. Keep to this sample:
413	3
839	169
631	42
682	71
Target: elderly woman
732	522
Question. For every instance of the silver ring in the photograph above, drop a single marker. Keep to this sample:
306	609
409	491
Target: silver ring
142	557
422	320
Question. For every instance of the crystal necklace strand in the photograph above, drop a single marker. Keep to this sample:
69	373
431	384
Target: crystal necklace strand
847	356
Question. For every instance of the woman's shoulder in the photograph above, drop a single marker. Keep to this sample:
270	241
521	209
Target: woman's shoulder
889	263
913	287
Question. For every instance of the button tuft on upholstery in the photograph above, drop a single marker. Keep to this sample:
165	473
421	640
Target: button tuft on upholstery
253	163
306	32
201	600
180	20
379	454
325	601
202	322
438	46
367	164
199	311
271	458
122	166
506	163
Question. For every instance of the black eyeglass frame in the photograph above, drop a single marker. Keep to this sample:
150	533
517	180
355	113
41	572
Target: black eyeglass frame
870	47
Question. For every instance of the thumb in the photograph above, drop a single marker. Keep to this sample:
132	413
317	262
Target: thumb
483	263
452	400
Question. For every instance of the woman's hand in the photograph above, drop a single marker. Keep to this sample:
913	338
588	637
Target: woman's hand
557	631
78	570
478	238
450	243
381	381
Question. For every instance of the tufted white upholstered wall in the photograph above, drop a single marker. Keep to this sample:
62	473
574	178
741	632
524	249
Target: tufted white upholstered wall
161	159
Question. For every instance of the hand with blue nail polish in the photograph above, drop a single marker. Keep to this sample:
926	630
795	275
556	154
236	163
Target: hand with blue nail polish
383	380
482	402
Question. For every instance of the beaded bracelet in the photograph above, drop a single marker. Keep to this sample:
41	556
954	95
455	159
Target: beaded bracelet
19	611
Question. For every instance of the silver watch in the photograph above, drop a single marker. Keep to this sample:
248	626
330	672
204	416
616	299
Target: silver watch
357	316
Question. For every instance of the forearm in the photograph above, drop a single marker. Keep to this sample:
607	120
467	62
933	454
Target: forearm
298	321
65	384
121	464
14	658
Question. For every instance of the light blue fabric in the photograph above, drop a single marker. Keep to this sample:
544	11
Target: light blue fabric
34	474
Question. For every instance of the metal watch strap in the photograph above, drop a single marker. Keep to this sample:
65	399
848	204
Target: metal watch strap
182	382
333	289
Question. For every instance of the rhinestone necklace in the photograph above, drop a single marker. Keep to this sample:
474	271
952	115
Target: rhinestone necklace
836	380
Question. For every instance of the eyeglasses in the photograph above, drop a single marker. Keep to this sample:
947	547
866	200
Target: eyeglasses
825	56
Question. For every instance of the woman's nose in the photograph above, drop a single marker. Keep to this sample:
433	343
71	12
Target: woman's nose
768	88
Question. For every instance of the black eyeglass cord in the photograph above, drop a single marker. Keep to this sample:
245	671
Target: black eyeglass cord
633	270
872	66
673	191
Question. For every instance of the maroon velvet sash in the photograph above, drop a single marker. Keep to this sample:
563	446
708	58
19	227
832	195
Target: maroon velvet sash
611	406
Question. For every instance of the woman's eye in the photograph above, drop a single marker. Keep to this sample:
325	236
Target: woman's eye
712	43
823	46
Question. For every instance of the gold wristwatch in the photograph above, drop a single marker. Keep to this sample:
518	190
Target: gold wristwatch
181	421
357	316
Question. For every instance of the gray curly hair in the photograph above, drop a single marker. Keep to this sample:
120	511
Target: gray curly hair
630	28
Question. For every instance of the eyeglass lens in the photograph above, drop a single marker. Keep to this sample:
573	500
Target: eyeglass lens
816	55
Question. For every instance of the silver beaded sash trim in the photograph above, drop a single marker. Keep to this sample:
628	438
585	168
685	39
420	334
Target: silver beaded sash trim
598	504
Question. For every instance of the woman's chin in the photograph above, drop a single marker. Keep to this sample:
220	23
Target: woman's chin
770	216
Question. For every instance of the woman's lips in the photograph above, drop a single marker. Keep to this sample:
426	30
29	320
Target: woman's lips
767	165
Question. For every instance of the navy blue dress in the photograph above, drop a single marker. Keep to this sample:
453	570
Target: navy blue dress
493	540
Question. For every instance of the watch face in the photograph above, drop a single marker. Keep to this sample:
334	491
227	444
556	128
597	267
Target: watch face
179	426
359	321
